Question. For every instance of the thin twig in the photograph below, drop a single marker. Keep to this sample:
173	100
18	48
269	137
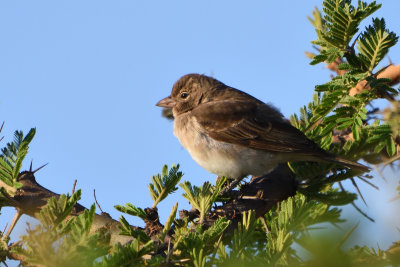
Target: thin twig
73	187
95	199
391	160
14	221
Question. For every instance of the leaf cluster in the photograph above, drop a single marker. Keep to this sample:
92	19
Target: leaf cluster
334	111
164	184
202	197
12	156
252	242
62	240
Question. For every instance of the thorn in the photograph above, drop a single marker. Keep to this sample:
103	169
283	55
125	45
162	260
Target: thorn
390	61
73	187
40	167
1	128
316	48
346	236
358	190
341	186
5	227
379	172
368	182
95	199
362	213
380	71
356	207
394	199
355	41
30	167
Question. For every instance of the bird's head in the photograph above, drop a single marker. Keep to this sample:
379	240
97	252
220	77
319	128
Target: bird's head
190	91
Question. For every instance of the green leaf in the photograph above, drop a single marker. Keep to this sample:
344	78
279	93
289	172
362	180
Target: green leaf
13	155
132	210
169	222
57	210
342	21
23	151
374	43
356	132
202	197
390	146
131	254
126	229
164	184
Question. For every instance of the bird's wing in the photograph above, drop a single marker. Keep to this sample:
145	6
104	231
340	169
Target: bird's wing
254	125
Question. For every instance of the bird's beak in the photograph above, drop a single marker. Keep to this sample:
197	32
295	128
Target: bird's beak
167	102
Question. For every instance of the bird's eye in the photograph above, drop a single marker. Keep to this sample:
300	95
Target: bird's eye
184	95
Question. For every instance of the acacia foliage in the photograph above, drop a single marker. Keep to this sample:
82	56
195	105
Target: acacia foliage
266	240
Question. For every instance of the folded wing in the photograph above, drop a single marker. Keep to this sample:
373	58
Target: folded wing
254	125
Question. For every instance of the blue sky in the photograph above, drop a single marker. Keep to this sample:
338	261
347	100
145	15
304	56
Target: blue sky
87	75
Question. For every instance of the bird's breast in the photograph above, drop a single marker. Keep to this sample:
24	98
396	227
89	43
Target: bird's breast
221	158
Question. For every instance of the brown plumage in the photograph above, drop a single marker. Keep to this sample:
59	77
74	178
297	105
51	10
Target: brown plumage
231	133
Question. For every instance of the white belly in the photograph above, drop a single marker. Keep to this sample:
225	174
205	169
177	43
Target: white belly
223	159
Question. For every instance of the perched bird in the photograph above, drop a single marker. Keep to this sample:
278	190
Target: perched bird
230	133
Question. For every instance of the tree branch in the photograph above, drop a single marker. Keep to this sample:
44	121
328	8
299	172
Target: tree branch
260	194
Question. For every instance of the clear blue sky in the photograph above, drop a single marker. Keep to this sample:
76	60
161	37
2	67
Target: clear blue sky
87	75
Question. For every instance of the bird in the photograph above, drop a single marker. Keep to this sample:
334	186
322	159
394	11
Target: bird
233	134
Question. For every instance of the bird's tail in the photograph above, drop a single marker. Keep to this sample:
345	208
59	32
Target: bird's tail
347	163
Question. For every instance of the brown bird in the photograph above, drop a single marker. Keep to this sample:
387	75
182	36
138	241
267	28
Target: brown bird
230	133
